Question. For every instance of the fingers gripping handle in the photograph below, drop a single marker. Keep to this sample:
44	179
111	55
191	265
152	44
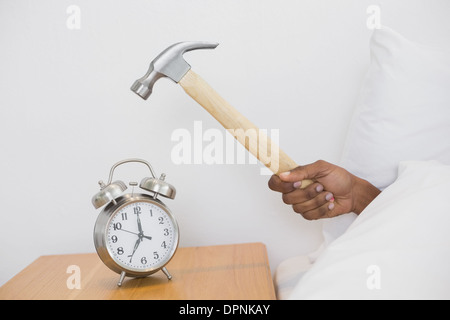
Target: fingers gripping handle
240	127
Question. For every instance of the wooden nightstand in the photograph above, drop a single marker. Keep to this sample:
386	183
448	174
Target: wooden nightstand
225	272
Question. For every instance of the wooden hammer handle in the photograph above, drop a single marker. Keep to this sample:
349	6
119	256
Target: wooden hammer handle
270	154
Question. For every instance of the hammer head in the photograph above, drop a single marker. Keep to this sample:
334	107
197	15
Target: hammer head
169	63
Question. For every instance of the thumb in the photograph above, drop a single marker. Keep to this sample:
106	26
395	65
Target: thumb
303	174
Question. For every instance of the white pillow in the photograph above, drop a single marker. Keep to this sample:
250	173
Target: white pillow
403	113
397	248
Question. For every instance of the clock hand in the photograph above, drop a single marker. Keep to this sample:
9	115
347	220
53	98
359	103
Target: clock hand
139	235
129	232
136	245
139	224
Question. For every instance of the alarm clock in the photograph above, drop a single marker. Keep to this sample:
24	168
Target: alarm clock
135	234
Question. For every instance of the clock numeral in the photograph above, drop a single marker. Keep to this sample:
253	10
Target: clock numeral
124	216
117	226
119	250
144	260
155	255
137	210
161	220
166	232
151	213
163	245
114	239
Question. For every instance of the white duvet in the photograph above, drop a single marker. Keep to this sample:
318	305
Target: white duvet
397	248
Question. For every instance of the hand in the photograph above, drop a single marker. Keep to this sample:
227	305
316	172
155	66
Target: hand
335	191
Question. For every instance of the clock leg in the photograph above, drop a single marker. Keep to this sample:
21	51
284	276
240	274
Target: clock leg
166	273
122	276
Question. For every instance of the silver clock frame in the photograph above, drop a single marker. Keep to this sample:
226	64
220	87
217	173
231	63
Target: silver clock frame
100	236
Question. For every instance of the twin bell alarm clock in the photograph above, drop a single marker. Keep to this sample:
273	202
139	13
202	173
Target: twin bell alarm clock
135	234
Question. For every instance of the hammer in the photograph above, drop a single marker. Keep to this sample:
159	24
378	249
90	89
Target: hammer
171	64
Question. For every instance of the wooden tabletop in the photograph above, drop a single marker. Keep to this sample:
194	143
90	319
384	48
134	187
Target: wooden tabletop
223	272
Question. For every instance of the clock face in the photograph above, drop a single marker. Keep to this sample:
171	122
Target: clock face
141	236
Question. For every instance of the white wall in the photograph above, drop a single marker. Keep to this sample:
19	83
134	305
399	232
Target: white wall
67	114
